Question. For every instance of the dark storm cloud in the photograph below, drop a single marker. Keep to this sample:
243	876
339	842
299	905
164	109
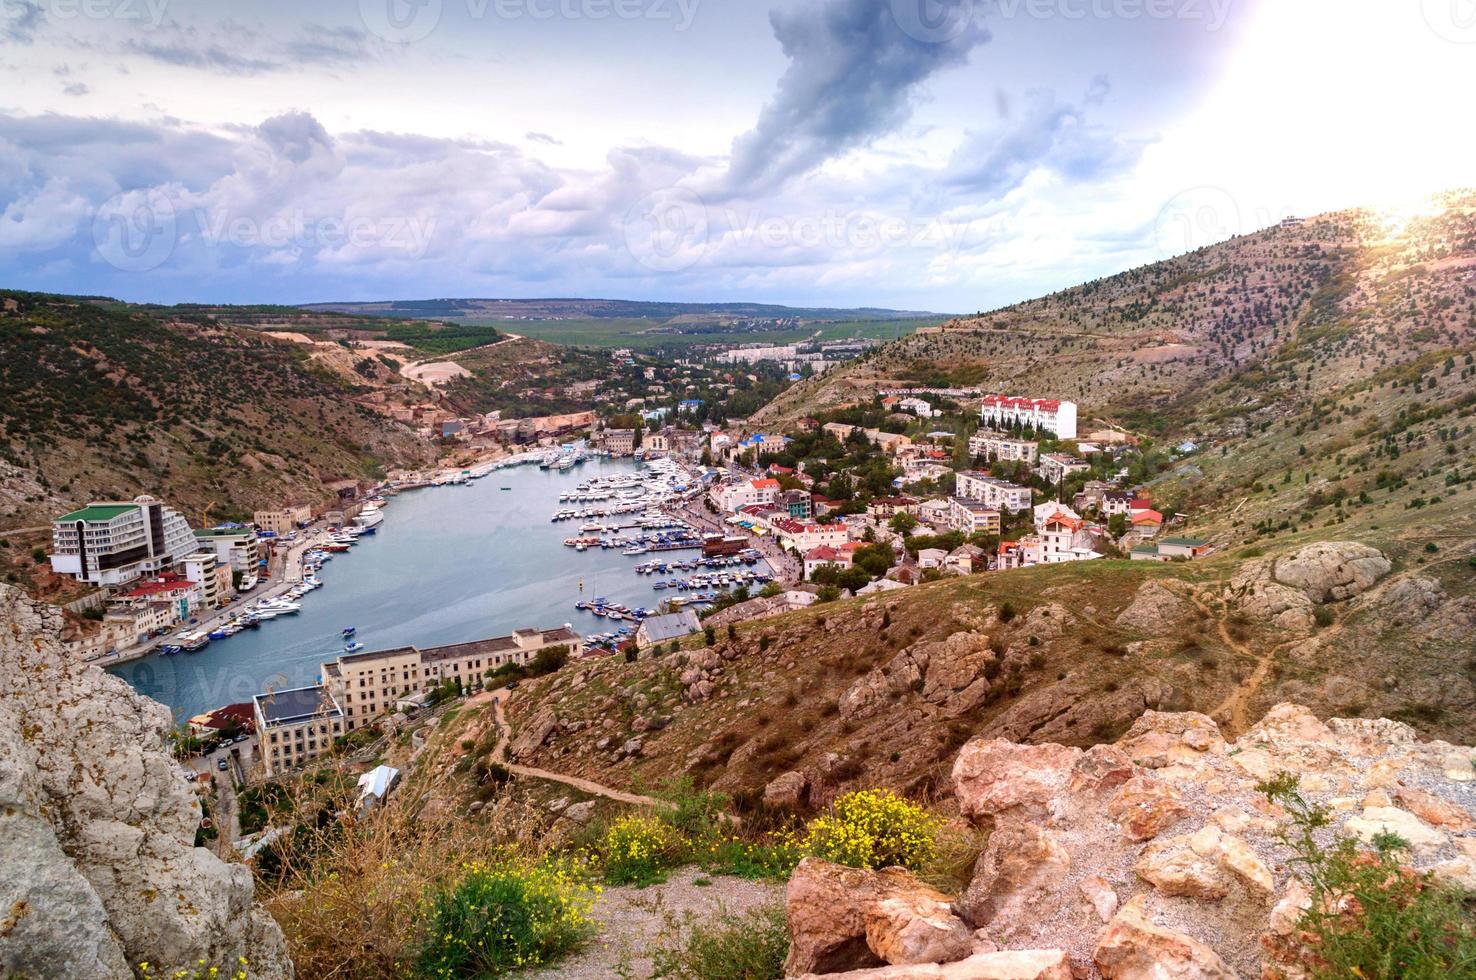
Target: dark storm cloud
851	77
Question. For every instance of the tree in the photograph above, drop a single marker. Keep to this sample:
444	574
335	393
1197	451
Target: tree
1117	525
903	523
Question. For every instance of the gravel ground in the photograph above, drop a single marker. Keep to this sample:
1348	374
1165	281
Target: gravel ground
631	919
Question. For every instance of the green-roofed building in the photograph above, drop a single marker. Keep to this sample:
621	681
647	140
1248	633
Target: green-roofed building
112	543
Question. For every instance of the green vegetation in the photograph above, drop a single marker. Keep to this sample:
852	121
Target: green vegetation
1370	915
729	946
874	828
639	849
502	917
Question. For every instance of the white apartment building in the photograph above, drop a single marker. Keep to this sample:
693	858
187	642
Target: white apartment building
113	543
201	569
297	726
972	517
1061	541
746	493
235	548
996	446
1041	414
997	493
1055	467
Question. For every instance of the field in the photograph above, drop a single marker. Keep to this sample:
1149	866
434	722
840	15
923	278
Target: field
641	333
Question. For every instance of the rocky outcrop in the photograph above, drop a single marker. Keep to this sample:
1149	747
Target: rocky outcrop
1283	591
1027	964
1156	611
1157	858
850	918
97	828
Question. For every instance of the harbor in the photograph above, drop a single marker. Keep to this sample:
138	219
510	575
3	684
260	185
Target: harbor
449	564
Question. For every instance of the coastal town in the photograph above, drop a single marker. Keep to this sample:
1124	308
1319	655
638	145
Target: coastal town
729	524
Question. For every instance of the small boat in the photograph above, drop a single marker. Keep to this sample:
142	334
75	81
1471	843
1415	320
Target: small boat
350	630
353	647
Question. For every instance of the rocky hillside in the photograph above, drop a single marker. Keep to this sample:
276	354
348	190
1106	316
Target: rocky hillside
97	828
101	401
1158	856
884	691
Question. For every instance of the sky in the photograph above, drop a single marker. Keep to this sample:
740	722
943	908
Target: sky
940	155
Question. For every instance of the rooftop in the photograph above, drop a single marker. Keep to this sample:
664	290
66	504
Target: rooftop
97	512
298	704
670	627
1185	542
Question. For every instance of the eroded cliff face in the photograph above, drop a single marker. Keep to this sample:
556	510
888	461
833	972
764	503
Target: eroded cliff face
98	868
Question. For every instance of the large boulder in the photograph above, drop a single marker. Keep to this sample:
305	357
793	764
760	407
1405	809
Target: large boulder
97	827
1015	964
1022	865
844	918
1331	571
992	776
1156	610
1133	947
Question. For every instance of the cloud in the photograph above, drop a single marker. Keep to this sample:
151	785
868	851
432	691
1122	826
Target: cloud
543	138
43	218
75	89
1047	135
19	21
852	74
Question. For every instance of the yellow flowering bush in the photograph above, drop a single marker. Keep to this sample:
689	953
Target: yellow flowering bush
505	916
874	828
200	971
638	848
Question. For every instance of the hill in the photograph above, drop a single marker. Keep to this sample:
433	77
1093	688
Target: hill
103	401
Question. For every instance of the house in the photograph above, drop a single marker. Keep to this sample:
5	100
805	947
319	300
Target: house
746	493
972	517
238	718
917	406
805	537
881	585
1146	552
1115	502
1011	555
797	503
1064	539
824	555
886	508
1055	467
931	558
1044	512
1147	522
284	520
618	442
918	470
661	629
999	494
1041	414
966	559
183	596
998	447
112	543
1183	547
376	785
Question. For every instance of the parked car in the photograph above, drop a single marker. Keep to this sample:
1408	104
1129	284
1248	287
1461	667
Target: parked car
223	765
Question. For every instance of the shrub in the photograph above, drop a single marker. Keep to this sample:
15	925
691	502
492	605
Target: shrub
751	946
198	972
874	828
1371	916
1323	616
502	917
638	849
1006	612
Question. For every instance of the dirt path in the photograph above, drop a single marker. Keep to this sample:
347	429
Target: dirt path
408	367
504	732
1231	714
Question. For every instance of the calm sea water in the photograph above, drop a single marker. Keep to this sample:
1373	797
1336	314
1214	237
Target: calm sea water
449	564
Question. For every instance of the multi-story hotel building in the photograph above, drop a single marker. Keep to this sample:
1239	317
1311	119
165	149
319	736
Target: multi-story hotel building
996	493
362	686
235	547
293	727
1041	414
113	543
996	446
